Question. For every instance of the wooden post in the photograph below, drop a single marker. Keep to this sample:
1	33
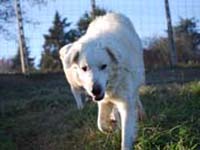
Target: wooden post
172	46
22	43
93	6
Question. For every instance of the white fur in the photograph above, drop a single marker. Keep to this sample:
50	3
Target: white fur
110	40
71	76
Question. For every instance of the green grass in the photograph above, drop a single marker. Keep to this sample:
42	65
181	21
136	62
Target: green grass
40	114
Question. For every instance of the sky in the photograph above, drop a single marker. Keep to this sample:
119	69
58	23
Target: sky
147	16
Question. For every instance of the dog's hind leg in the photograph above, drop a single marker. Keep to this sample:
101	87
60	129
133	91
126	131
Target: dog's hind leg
104	121
140	109
77	95
115	117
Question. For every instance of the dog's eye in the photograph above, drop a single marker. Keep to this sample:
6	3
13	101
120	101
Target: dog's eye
84	68
102	67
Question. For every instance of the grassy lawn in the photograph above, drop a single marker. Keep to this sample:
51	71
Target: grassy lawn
40	114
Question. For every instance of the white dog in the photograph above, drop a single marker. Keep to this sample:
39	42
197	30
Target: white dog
107	63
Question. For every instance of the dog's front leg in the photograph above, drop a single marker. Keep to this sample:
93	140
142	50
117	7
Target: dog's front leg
104	121
77	95
128	124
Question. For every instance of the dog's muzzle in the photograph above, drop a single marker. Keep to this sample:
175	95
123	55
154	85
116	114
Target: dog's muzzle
97	92
98	97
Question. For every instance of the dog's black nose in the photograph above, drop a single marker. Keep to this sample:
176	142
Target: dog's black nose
96	89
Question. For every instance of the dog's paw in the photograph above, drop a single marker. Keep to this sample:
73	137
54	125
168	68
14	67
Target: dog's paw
108	127
113	124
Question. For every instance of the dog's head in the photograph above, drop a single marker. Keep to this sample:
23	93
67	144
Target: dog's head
92	63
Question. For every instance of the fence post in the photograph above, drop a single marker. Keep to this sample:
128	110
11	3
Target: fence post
22	44
93	6
172	47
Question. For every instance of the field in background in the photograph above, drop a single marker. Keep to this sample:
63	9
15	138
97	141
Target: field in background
39	113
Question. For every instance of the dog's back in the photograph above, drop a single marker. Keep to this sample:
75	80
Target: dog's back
118	28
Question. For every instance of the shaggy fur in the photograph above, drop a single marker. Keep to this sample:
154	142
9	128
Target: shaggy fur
107	64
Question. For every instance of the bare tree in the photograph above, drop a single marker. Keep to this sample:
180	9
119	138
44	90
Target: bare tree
9	11
8	15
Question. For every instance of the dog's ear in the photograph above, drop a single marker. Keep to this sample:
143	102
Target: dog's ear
112	55
68	55
64	50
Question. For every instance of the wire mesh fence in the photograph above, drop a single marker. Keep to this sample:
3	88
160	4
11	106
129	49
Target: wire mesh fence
148	17
38	111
